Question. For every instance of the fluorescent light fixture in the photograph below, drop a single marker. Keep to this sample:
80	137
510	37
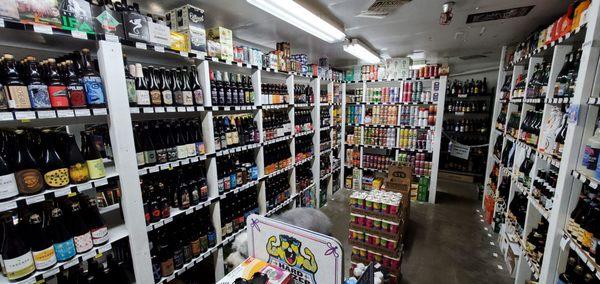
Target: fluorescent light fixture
295	14
358	49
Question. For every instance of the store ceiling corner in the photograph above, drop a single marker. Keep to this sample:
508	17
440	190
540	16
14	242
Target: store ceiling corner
414	25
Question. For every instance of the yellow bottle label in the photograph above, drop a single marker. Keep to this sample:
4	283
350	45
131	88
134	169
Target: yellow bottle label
79	173
57	178
45	258
96	168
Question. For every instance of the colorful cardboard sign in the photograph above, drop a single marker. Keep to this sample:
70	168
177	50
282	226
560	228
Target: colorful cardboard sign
310	257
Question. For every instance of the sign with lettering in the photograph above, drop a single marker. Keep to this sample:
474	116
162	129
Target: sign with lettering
309	256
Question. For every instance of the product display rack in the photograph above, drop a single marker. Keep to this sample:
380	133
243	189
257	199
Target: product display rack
571	176
19	38
435	85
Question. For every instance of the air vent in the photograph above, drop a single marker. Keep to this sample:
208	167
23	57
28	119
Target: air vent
499	14
382	8
471	57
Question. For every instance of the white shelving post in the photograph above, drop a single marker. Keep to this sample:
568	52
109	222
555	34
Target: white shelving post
439	120
121	135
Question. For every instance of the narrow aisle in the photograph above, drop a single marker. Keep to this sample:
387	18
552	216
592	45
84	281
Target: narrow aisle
445	243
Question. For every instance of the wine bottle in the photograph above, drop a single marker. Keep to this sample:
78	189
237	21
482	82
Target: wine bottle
92	157
40	243
17	260
64	247
78	228
56	173
15	89
196	87
166	257
188	95
148	146
94	89
177	86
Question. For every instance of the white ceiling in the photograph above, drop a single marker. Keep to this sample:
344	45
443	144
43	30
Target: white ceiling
414	26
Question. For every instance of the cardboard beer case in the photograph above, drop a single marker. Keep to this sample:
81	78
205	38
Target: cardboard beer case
399	179
252	265
224	37
43	12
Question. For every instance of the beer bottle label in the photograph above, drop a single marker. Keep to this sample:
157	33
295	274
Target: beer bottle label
38	94
44	258
94	90
212	238
181	151
79	173
58	96
187	253
19	266
3	99
83	242
204	243
161	156
156	97
156	269
99	235
191	149
76	96
65	250
18	97
188	98
57	178
150	156
200	148
96	168
166	267
196	248
178	259
199	97
167	96
172	153
143	97
131	92
140	158
178	97
29	181
8	186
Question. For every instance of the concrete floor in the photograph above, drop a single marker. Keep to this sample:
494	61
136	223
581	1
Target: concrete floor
445	242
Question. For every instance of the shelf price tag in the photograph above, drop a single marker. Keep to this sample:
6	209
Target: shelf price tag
19	115
46	114
171	109
8	206
42	29
82	112
6	116
159	109
111	38
184	54
65	113
89	255
84	186
62	192
148	110
35	199
79	34
134	110
100	111
51	272
141	45
159	49
71	263
2	23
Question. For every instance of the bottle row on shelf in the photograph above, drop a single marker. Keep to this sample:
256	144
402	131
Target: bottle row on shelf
463	89
388	115
461	106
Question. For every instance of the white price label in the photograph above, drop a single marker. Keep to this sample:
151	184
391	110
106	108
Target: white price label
581	253
83	187
194	159
159	49
168	220
591	266
6	116
142	172
159	109
185	162
51	272
10	205
184	54
189	211
158	224
24	115
101	182
71	263
141	45
89	255
46	114
105	248
190	109
111	38
171	109
35	199
154	169
79	34
65	113
2	23
148	110
180	109
62	192
134	110
83	112
100	111
42	29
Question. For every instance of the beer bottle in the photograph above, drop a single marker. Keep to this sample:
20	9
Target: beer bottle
141	87
27	173
64	247
15	89
41	244
79	230
56	88
17	260
92	157
165	88
155	94
78	170
38	90
130	82
94	89
188	96
196	87
56	173
75	89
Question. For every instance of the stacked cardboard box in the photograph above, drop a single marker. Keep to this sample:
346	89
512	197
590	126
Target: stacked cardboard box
377	228
187	29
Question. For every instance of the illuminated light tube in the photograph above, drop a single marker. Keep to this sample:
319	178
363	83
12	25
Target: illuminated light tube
358	49
295	14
